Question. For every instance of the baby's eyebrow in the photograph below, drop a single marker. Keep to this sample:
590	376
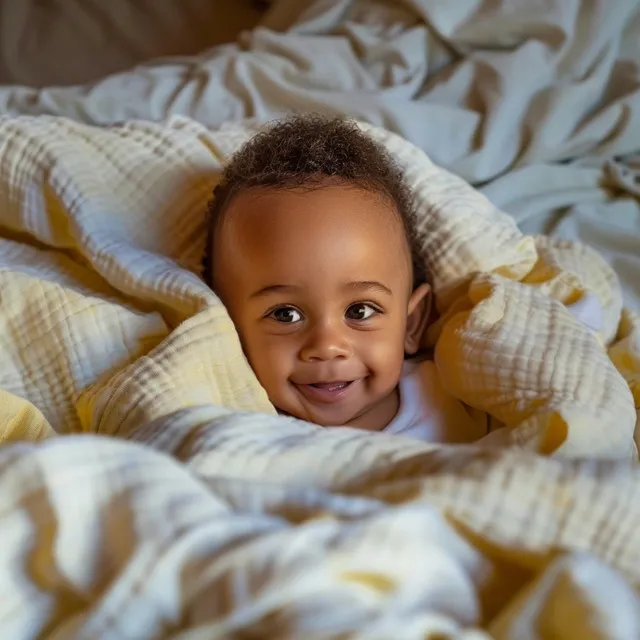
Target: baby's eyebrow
274	288
368	285
357	286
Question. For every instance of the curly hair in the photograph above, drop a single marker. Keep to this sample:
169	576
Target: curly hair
306	152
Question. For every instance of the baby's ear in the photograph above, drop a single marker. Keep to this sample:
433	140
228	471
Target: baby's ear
418	313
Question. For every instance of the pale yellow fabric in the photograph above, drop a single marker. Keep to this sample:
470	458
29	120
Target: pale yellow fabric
512	349
264	527
308	532
119	206
124	208
20	420
269	528
625	354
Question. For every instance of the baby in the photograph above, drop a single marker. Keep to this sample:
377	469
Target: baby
312	252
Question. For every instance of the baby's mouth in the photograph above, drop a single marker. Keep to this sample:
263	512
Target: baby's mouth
332	386
326	392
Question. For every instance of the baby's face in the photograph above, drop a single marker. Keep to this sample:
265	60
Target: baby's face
318	285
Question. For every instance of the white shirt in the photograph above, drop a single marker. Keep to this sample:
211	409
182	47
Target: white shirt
427	412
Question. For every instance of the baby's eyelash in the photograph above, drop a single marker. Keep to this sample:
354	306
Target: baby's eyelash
275	307
271	313
367	303
372	310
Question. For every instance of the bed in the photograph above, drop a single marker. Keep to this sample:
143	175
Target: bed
188	508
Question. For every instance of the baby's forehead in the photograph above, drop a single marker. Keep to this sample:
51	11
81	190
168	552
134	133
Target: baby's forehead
281	232
333	209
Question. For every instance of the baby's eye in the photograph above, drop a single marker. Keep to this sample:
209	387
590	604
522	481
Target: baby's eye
286	315
360	311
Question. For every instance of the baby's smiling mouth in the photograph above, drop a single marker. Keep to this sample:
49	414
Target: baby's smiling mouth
326	392
332	386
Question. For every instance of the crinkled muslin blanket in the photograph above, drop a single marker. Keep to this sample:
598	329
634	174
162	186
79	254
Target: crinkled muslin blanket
208	515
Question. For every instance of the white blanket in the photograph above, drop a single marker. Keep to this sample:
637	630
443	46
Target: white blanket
108	539
497	92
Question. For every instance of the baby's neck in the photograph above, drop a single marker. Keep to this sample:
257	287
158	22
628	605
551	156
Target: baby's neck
379	416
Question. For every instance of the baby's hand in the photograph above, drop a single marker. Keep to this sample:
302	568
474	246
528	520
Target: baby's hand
588	310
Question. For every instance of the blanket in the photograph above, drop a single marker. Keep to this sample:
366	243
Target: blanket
107	325
209	516
264	525
537	104
256	527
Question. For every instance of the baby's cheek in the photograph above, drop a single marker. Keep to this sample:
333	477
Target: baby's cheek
385	355
269	356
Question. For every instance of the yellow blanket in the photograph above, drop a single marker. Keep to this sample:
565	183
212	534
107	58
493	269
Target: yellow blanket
308	532
104	324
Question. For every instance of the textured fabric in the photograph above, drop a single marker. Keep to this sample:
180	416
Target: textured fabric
107	325
588	310
428	413
242	521
20	420
266	528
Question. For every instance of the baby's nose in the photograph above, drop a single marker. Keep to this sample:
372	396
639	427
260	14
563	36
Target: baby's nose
326	343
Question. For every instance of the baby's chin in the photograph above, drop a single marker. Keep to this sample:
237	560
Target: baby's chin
314	419
349	408
362	420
